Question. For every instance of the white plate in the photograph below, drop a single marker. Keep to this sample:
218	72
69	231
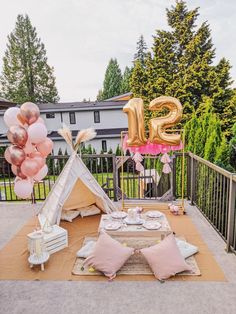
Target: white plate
118	215
154	214
152	225
134	222
112	226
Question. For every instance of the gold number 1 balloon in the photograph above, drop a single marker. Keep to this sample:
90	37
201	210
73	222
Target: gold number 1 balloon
158	125
135	112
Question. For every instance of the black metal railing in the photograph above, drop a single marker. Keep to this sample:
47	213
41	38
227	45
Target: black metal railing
101	166
213	190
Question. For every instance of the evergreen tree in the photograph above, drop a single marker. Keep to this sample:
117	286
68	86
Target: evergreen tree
180	65
118	150
204	136
141	51
125	84
26	74
112	81
222	157
232	148
99	96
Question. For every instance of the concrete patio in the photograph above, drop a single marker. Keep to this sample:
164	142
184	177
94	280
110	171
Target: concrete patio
118	297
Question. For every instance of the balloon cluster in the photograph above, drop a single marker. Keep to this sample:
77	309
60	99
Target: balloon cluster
30	147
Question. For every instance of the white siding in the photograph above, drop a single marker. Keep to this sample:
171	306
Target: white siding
52	124
109	119
3	127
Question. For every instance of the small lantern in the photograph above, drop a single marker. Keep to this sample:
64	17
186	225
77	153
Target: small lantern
38	253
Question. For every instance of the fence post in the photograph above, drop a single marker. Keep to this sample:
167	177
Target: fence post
115	178
231	213
174	177
192	182
188	177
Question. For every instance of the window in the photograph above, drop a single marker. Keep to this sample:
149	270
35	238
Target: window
104	146
50	115
72	118
96	117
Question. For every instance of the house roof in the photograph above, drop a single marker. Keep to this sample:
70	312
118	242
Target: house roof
4	103
74	106
126	96
81	106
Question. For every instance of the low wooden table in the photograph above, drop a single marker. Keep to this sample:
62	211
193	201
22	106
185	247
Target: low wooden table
137	230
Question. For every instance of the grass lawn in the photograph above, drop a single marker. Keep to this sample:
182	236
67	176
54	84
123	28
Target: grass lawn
42	188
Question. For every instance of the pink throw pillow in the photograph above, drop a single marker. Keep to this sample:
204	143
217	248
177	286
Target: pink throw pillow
108	255
165	258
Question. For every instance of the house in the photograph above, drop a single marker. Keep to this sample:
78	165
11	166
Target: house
106	117
4	103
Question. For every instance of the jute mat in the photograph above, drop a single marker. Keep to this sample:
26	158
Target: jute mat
136	264
14	256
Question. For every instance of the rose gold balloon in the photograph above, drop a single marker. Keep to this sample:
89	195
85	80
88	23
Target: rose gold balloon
29	167
17	155
17	172
21	119
29	112
39	158
7	155
29	147
17	135
45	148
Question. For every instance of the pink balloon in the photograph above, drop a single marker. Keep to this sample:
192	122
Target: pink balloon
17	172
40	120
41	174
11	116
29	147
38	158
7	155
37	133
29	167
23	188
45	148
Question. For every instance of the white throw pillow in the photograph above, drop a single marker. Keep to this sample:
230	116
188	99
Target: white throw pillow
69	215
89	211
186	249
86	250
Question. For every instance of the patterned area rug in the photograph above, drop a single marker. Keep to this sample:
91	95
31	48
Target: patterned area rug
136	264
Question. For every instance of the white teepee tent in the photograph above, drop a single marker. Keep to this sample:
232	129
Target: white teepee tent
75	188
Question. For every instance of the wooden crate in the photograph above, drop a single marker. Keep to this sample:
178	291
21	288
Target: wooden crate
55	240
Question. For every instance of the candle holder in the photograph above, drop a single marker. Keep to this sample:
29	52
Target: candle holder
38	253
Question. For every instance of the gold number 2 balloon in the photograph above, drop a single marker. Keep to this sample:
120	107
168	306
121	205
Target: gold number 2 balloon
158	125
135	112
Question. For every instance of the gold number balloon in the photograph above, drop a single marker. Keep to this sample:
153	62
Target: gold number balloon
158	125
135	112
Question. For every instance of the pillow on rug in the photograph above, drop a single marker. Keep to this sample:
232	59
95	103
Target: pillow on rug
186	249
86	250
165	258
89	211
108	255
69	215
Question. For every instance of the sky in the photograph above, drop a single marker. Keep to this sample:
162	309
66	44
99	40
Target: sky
81	36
